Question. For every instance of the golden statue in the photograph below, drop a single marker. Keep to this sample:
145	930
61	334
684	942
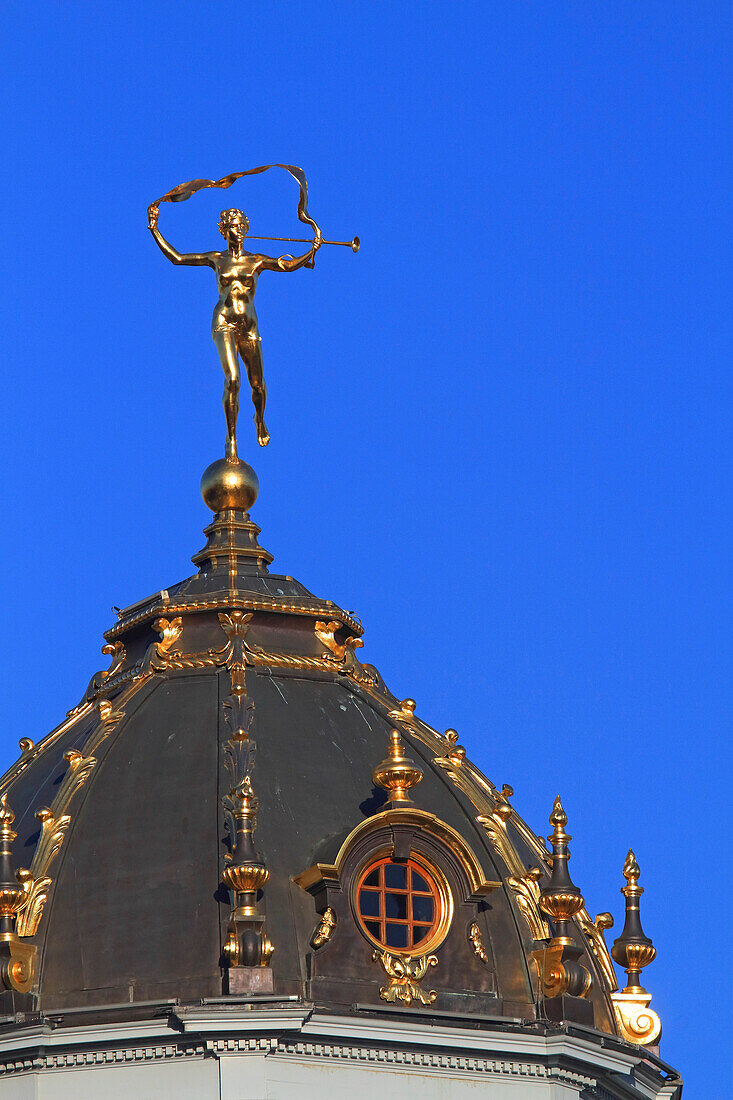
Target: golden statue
234	324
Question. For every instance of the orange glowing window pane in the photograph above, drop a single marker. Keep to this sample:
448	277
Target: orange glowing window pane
398	903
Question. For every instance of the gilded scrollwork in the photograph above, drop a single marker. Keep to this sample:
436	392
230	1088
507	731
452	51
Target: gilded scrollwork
326	634
637	1022
55	821
593	931
405	972
161	652
342	654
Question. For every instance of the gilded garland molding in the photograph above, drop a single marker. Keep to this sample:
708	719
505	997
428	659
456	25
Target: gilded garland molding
233	599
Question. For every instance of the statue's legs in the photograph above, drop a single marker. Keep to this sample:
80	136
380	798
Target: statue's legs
250	349
226	345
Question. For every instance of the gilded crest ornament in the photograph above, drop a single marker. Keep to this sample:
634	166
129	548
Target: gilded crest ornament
404	973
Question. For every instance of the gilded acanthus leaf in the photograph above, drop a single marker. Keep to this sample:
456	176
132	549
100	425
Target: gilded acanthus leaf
235	624
76	775
29	915
53	831
526	892
170	631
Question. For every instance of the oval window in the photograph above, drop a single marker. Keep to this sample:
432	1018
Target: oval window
403	907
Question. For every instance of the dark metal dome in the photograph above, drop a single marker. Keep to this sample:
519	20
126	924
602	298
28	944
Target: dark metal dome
126	817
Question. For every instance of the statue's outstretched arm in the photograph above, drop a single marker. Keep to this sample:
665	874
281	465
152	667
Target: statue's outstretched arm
292	263
190	259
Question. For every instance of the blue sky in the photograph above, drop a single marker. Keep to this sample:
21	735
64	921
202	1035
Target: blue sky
501	433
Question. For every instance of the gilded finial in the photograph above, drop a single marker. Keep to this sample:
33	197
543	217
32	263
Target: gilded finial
17	959
561	899
558	820
559	969
631	873
7	817
246	872
247	800
633	950
397	774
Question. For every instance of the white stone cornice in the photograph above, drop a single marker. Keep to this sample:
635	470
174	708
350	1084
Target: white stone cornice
299	1039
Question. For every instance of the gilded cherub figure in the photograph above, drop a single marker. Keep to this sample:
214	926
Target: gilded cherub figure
234	324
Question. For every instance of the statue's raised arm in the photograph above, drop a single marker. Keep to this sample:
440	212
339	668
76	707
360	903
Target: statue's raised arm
189	259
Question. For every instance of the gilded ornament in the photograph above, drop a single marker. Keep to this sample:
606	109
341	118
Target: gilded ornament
245	872
637	1023
526	891
55	821
560	971
404	973
634	950
524	883
17	960
234	327
593	931
474	936
170	631
456	754
325	928
405	712
326	634
102	680
397	774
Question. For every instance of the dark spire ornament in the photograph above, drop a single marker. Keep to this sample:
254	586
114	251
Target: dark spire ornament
560	972
17	959
633	950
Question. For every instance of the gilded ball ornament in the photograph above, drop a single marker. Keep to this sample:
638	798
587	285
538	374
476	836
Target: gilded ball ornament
229	483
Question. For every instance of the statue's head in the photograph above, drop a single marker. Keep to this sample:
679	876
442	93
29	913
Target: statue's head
233	225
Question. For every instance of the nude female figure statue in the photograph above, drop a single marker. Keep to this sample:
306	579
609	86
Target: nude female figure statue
234	324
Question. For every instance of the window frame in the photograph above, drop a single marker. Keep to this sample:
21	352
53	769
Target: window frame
443	900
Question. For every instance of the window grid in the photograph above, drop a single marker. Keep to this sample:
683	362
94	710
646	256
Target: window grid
417	930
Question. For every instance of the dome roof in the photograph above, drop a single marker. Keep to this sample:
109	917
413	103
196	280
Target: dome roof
237	687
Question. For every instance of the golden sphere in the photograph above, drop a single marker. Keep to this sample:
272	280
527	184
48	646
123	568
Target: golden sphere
229	483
